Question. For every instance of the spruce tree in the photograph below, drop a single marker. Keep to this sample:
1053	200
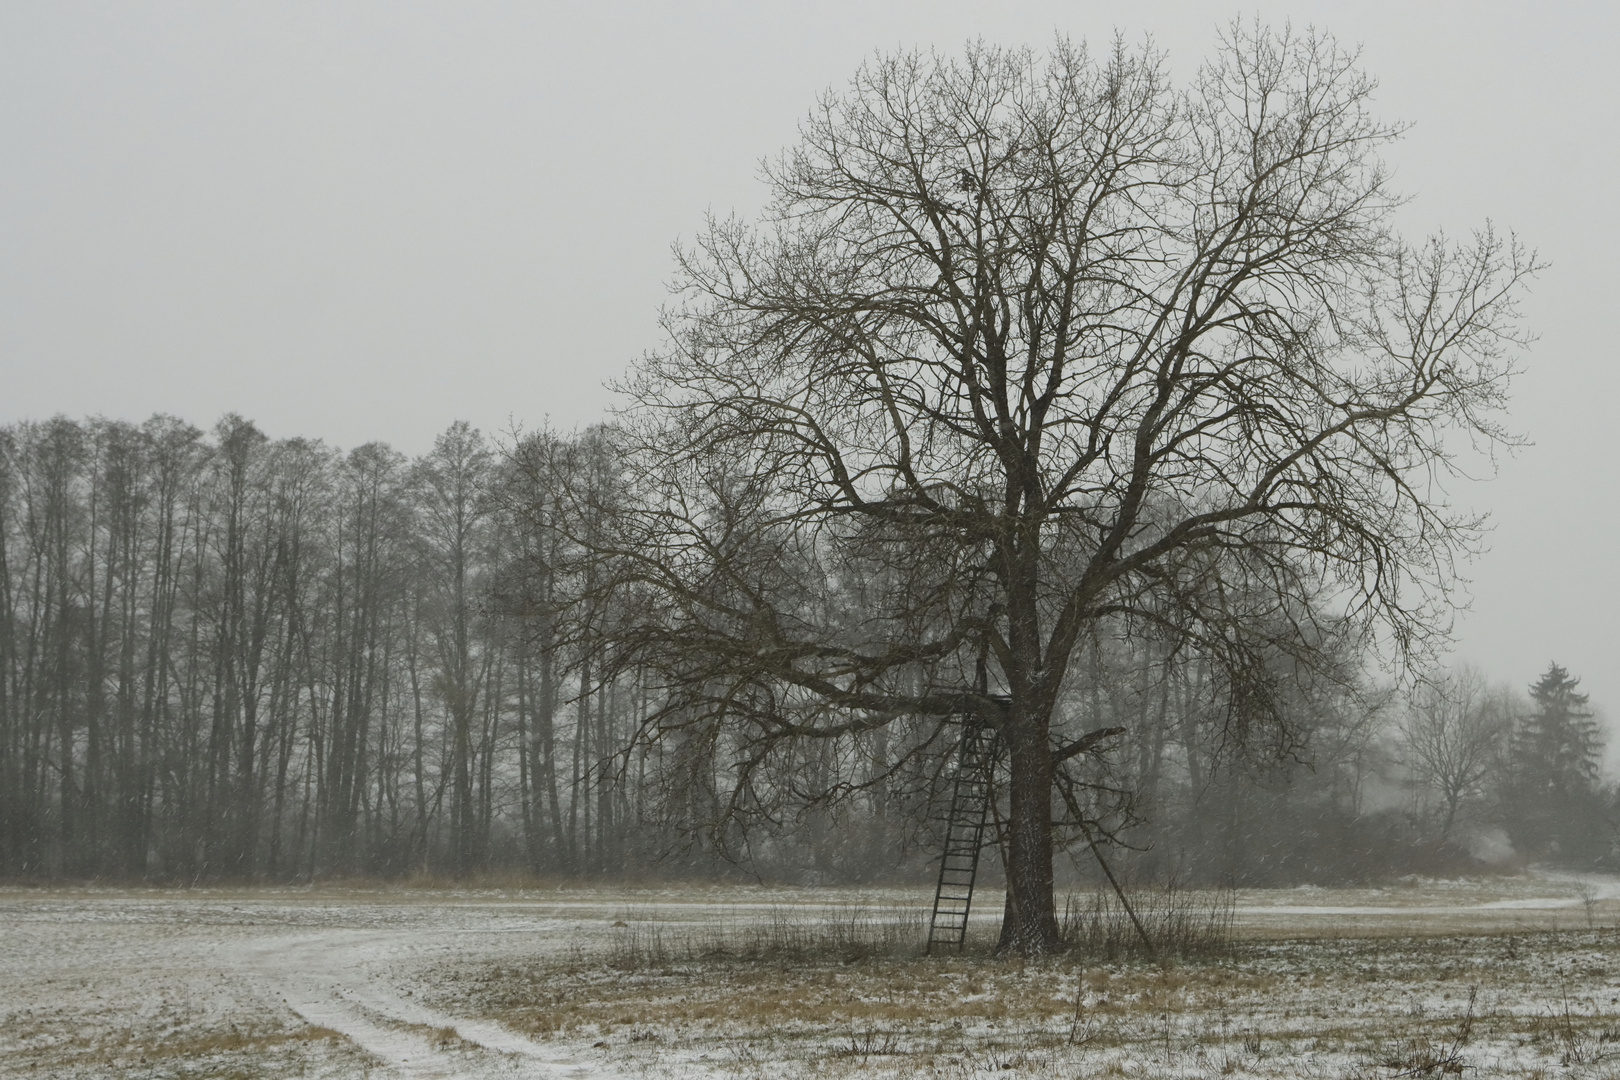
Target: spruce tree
1556	753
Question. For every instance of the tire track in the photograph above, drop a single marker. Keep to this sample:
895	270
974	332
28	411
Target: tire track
325	979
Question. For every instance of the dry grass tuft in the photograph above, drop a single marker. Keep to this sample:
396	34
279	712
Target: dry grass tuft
1179	923
846	933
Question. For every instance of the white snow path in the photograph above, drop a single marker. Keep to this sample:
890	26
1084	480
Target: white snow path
1601	886
327	979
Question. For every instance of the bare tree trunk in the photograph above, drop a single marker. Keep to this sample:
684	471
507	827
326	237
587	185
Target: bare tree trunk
547	721
1029	926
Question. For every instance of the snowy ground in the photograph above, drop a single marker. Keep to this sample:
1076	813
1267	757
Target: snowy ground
1516	977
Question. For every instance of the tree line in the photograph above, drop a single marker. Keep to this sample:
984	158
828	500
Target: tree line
1455	774
224	656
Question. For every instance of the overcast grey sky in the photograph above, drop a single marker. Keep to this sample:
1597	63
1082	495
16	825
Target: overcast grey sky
361	221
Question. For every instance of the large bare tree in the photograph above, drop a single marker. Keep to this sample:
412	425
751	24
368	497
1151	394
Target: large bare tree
1025	342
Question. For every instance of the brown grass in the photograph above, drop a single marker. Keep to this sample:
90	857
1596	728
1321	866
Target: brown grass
128	1049
1371	1007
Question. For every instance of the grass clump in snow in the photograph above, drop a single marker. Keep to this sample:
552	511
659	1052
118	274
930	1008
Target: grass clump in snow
845	933
1176	922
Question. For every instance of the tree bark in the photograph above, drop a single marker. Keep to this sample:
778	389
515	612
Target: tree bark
1029	924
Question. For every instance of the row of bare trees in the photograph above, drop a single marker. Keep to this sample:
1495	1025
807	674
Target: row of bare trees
226	655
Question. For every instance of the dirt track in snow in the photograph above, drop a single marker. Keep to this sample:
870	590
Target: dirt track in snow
331	979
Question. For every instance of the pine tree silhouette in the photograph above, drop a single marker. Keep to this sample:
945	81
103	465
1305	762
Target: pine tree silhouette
1555	757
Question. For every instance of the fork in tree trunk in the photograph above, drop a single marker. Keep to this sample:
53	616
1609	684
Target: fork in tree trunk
964	834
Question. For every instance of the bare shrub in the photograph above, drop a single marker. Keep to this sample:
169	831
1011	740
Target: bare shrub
1177	922
637	945
1426	1058
1589	900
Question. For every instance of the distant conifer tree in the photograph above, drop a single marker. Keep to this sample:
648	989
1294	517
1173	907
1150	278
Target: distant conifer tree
1556	753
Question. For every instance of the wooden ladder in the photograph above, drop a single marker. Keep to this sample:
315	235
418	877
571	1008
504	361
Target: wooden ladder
964	834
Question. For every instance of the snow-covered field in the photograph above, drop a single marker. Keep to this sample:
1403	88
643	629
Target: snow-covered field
1517	977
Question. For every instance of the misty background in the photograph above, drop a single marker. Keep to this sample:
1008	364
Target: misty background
360	222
